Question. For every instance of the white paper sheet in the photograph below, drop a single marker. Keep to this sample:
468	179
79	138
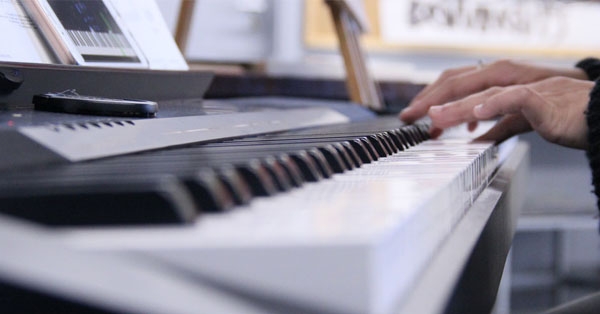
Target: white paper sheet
150	31
19	39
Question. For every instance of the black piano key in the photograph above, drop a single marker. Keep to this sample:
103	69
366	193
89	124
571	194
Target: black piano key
333	158
407	140
390	141
345	156
424	130
258	178
146	200
209	191
291	169
419	136
325	165
361	150
352	153
321	135
404	138
414	135
370	148
235	184
277	139
213	191
408	136
276	169
307	166
321	162
396	139
386	143
237	154
378	145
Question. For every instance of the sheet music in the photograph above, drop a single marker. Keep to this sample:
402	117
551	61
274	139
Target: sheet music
150	31
20	41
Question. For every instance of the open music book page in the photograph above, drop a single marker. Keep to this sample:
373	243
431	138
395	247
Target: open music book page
106	33
20	40
149	29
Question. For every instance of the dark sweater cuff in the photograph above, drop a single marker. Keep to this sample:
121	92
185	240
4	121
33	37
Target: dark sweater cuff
591	67
593	137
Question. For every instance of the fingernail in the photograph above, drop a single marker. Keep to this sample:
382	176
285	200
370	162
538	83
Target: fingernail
413	102
406	110
478	109
435	109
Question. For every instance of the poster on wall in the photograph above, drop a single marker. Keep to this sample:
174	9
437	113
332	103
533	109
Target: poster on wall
541	26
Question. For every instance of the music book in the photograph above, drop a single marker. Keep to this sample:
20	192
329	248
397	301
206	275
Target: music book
105	33
20	39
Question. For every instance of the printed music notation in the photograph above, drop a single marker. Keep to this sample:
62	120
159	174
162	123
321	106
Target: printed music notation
19	35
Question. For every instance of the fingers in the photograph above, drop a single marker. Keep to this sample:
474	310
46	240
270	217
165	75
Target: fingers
520	100
554	107
516	99
461	111
444	76
509	102
420	104
450	89
551	102
507	127
456	84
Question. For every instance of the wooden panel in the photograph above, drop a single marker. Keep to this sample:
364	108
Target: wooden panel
319	31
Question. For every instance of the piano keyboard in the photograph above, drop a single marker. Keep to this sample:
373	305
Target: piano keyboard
98	39
177	184
241	206
91	44
324	216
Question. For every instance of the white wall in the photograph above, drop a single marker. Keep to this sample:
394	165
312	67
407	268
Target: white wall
226	30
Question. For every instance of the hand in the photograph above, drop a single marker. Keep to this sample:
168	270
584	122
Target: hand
554	107
457	83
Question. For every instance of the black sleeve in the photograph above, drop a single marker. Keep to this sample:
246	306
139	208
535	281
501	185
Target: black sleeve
593	138
591	67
